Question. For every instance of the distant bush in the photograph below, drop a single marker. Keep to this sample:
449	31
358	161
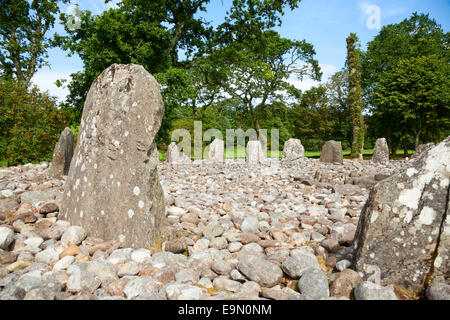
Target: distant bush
30	124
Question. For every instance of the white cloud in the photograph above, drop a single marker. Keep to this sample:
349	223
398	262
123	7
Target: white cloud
327	69
45	81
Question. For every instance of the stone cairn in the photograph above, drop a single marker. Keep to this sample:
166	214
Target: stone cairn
332	152
293	150
62	155
403	233
381	152
174	156
113	190
216	151
255	153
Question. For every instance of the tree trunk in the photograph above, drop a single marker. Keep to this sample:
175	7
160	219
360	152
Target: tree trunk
405	148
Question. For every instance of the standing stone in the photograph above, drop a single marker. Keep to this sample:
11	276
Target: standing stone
293	150
421	148
381	151
216	150
173	155
255	152
332	152
403	235
113	190
62	155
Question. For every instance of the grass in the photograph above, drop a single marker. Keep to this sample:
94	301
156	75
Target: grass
239	152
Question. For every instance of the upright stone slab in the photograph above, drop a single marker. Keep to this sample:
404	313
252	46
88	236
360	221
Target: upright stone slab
404	228
62	155
216	151
332	152
293	150
421	148
113	189
173	155
254	153
381	152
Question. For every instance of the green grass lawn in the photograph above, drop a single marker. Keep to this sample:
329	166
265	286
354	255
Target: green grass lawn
239	152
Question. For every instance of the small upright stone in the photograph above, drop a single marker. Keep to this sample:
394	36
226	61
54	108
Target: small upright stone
381	152
62	155
332	152
113	189
173	155
216	151
255	152
293	150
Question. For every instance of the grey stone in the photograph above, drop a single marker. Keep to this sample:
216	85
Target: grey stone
190	276
223	283
438	291
381	151
260	270
295	266
293	150
121	116
183	292
371	291
314	284
213	229
140	286
48	256
402	233
130	268
173	155
34	197
103	270
6	237
216	150
255	153
74	235
62	155
332	152
250	225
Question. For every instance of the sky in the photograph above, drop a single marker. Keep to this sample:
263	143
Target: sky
324	23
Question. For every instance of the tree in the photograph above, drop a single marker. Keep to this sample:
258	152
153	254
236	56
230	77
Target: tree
23	41
354	99
258	70
153	33
415	93
412	38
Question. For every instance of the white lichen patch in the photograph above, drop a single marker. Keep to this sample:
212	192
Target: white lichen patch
410	198
438	262
427	216
122	238
374	216
141	204
130	213
411	171
136	191
81	213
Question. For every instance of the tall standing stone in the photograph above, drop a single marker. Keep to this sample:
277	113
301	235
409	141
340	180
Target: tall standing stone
173	155
404	229
62	155
381	151
293	150
216	150
254	153
332	152
113	190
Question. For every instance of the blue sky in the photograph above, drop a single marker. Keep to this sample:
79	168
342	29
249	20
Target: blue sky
324	23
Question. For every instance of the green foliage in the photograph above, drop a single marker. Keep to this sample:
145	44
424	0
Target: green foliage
415	94
23	41
30	123
354	98
416	37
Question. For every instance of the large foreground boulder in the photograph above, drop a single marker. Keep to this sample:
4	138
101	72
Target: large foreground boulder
332	152
62	155
112	189
404	229
381	151
293	150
